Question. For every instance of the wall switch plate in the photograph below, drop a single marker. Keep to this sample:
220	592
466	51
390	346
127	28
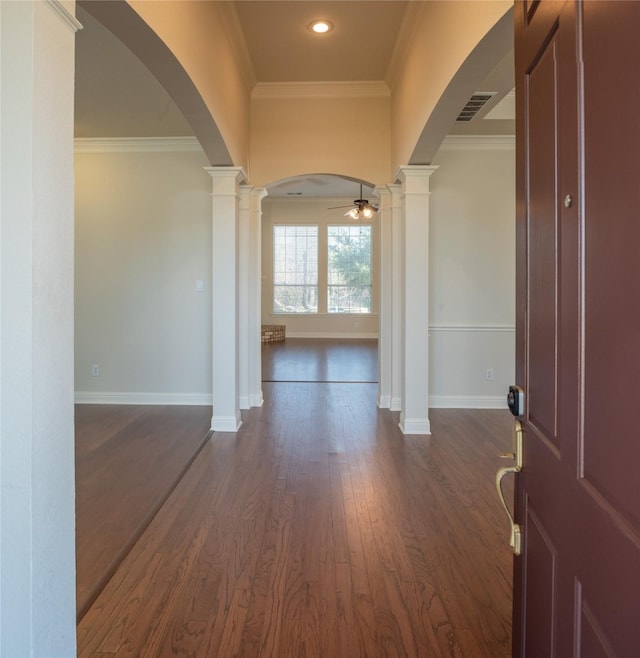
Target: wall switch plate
199	285
489	374
95	370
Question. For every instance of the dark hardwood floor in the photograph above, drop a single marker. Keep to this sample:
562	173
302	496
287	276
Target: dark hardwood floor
128	459
320	360
320	530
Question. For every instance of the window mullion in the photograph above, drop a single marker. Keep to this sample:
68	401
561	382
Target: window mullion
323	265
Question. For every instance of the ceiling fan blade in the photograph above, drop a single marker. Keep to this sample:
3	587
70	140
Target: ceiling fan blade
337	207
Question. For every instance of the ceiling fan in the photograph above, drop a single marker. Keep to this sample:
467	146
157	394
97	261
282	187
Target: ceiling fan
362	208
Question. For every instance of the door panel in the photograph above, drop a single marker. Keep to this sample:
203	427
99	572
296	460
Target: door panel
592	643
541	569
577	582
541	100
612	265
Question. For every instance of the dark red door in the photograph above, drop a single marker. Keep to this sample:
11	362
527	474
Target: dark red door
577	581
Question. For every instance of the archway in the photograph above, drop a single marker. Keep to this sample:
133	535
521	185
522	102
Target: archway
344	281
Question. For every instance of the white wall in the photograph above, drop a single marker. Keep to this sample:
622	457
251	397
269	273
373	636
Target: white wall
472	268
37	539
143	236
143	239
321	325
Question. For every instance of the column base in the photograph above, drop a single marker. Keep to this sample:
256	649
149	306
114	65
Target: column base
256	399
225	423
415	426
384	401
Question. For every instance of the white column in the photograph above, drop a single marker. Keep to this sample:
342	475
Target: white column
225	296
250	284
243	295
397	295
255	296
385	299
37	528
414	415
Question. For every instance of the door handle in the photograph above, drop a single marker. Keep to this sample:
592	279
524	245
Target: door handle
515	536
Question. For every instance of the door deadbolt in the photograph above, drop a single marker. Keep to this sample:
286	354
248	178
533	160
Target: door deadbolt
515	400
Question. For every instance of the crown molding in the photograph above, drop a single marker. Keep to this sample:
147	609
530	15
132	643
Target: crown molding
135	144
231	22
347	89
478	143
404	41
64	14
185	144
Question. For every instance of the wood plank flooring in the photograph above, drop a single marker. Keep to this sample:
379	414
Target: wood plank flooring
320	530
128	459
320	360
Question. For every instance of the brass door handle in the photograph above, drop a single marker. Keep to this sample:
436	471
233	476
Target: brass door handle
515	537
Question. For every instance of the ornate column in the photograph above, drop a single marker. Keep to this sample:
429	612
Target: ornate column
414	415
385	283
250	287
244	238
255	296
225	289
397	295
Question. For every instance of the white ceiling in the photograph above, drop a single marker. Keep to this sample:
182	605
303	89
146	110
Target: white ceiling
116	95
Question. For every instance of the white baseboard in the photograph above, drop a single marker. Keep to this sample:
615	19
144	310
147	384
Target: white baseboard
255	400
468	402
243	402
91	397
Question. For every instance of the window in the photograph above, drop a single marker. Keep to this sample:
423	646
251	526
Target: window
349	269
295	269
322	269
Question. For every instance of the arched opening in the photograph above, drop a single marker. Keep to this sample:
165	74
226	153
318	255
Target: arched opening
320	279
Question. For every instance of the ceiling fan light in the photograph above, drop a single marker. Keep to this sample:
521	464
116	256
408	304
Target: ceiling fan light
353	213
368	213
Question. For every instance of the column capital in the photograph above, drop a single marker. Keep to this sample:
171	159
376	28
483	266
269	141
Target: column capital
384	196
244	194
415	178
226	179
250	197
259	192
395	189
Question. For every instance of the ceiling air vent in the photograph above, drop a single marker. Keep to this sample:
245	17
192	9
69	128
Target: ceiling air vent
475	104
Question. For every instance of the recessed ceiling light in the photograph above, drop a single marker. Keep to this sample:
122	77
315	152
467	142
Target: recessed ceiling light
321	27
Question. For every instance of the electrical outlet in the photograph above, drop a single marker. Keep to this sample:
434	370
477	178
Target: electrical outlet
488	375
95	370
